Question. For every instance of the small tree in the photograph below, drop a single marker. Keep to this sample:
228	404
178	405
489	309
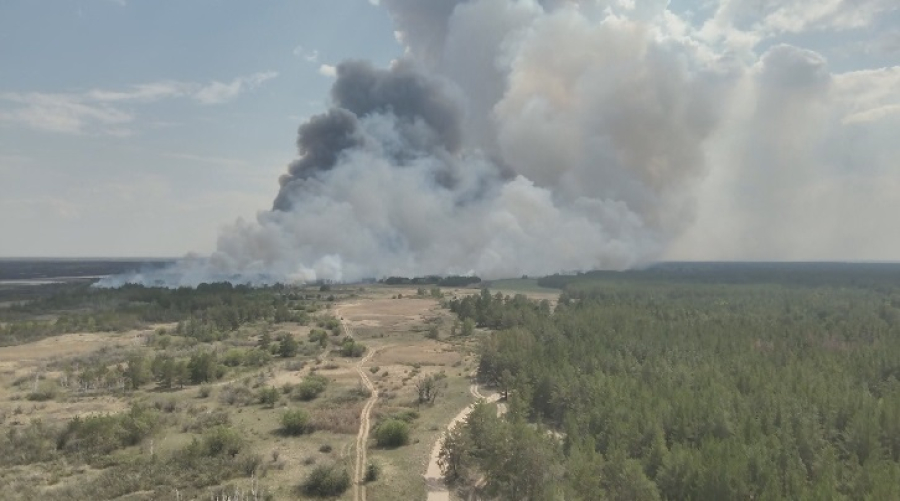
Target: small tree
265	339
288	346
202	367
351	348
427	389
468	327
136	372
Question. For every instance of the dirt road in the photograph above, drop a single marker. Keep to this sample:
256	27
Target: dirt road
434	477
362	437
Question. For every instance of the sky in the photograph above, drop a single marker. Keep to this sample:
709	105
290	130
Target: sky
138	128
147	127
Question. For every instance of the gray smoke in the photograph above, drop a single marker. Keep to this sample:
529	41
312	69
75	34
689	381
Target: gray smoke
522	137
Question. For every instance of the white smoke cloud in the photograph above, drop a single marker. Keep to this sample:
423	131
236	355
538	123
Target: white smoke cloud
526	137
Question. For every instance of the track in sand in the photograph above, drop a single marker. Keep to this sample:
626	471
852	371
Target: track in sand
362	437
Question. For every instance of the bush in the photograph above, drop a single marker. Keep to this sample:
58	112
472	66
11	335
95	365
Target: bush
233	357
372	472
351	348
311	387
46	390
257	358
296	422
217	441
236	395
392	433
326	481
33	443
94	435
268	396
207	420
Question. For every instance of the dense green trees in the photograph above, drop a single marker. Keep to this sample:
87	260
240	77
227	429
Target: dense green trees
668	389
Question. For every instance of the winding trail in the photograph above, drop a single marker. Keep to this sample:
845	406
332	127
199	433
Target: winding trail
362	437
434	476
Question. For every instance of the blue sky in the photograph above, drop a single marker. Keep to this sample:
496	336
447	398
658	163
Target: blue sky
140	127
143	127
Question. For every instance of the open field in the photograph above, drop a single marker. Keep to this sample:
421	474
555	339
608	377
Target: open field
231	417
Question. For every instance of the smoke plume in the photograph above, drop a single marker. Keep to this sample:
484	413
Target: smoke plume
524	137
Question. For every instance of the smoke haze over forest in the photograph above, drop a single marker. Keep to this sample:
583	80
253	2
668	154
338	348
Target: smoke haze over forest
526	137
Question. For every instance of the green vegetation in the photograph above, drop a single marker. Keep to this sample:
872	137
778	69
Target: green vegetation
373	471
296	422
392	433
686	383
311	387
352	348
326	481
207	313
66	436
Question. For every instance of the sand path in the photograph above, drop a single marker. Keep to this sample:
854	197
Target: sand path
362	437
434	476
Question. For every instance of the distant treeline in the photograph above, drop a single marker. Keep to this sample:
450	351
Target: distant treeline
867	275
210	308
28	269
451	281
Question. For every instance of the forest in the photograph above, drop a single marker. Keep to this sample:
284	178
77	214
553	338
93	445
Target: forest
689	382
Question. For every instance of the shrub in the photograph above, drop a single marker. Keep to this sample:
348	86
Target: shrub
46	390
33	443
236	395
257	358
233	357
296	422
326	481
207	420
93	435
372	472
392	433
268	396
311	387
217	441
351	348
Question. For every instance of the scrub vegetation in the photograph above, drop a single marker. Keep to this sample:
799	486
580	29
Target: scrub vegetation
219	391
